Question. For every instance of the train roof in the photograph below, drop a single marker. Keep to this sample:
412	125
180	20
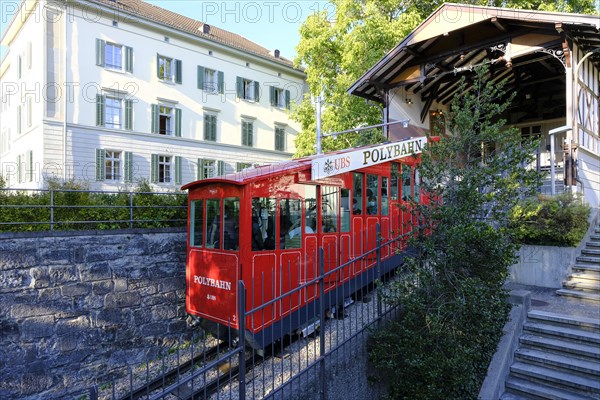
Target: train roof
287	167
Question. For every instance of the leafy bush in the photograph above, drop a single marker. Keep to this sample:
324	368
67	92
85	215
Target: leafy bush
550	220
76	208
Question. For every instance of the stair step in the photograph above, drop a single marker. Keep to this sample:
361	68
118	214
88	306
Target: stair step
589	259
559	361
594	269
569	320
561	346
591	252
555	378
531	390
591	286
593	244
585	276
578	335
579	294
594	237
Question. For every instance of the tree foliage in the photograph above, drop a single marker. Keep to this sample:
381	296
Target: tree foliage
335	53
453	302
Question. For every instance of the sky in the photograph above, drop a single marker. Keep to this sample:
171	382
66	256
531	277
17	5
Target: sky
271	24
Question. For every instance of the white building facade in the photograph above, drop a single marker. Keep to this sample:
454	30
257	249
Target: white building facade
111	93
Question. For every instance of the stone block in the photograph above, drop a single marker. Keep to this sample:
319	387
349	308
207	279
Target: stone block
122	299
34	310
163	312
39	277
102	287
18	257
37	327
120	285
95	272
14	280
72	325
32	383
75	289
63	274
50	294
177	326
171	284
54	256
67	343
154	329
107	317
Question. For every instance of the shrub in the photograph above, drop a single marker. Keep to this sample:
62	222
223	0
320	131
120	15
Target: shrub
550	220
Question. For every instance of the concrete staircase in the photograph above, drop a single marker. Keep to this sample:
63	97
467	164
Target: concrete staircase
558	358
584	281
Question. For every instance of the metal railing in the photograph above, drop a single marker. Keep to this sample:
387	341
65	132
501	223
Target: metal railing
329	334
63	209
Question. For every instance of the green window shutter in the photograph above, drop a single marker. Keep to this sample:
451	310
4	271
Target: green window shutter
154	168
100	164
177	170
178	122
200	77
100	109
200	168
256	91
158	66
129	59
128	114
178	67
220	168
220	82
19	129
239	86
244	134
29	168
128	169
287	99
155	118
100	52
272	95
19	169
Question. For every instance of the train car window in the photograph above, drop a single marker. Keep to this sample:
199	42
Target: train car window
329	208
345	210
263	224
417	186
384	196
290	224
197	223
357	202
310	205
372	194
231	224
213	224
406	186
395	177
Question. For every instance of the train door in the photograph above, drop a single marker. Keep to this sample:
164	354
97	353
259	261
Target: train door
290	253
395	205
345	232
385	216
309	268
372	215
358	225
329	228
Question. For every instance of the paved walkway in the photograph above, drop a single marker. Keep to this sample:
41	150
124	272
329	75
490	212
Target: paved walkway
545	299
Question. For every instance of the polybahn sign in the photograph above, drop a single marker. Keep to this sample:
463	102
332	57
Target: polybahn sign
334	164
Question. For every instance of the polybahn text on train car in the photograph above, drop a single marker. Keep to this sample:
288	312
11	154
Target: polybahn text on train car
265	226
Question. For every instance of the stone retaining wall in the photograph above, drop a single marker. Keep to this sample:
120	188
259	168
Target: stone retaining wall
77	310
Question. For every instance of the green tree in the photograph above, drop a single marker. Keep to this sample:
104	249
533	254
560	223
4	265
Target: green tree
335	53
454	304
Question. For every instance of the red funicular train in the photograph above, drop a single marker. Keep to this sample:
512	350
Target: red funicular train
265	226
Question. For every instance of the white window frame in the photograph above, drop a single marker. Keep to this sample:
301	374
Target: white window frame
29	111
165	169
167	112
211	80
248	88
118	112
205	135
113	163
279	98
168	74
209	169
121	58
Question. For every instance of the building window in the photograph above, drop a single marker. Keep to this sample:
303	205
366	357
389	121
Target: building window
169	69
210	127
166	120
247	133
280	98
114	112
29	111
248	89
164	169
210	168
19	120
19	66
114	56
240	166
280	139
210	80
112	163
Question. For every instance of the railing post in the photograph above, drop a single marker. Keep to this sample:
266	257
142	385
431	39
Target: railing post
242	339
378	273
130	210
51	209
322	315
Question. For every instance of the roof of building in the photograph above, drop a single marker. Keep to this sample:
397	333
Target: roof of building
191	26
456	36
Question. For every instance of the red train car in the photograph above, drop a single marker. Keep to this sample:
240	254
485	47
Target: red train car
265	226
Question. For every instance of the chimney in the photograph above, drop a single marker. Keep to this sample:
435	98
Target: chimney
276	53
206	29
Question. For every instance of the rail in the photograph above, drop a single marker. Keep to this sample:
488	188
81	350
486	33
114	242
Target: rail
63	209
237	372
